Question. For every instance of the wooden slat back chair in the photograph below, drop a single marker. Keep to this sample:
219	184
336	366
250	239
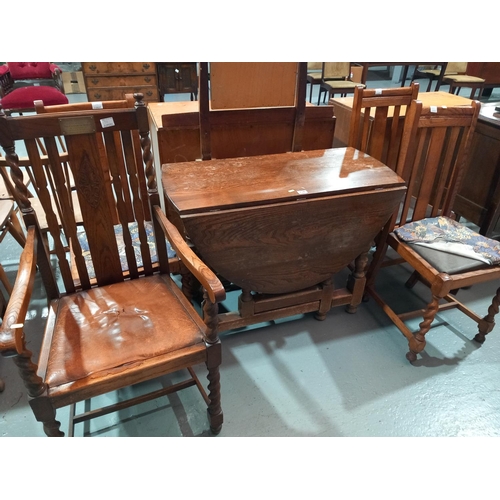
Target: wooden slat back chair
380	136
127	102
123	330
435	143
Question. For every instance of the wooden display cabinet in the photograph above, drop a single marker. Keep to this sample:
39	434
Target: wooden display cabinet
177	78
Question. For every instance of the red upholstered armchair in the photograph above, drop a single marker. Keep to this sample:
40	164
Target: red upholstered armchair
40	73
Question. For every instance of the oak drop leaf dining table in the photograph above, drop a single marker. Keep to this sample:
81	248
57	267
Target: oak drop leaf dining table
280	226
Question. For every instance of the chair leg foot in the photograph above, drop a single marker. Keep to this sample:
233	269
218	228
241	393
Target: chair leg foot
487	324
320	316
411	356
480	338
215	422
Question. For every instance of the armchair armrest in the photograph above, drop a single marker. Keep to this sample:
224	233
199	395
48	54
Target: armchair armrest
6	81
200	270
11	331
57	76
54	69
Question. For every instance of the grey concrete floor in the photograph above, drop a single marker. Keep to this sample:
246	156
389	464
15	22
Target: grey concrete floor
344	377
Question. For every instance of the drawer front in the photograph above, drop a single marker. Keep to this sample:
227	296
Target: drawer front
113	93
120	81
110	68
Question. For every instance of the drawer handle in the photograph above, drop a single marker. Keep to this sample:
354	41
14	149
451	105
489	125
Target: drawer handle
95	81
97	96
147	79
92	67
149	93
145	66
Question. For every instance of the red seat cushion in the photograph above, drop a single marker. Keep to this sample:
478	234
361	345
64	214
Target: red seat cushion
28	70
22	98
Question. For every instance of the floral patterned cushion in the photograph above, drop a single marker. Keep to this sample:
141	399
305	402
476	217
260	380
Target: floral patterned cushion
448	235
134	233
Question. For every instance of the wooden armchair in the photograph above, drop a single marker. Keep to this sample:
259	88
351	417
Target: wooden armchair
435	144
127	328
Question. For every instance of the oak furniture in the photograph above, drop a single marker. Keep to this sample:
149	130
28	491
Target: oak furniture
177	78
125	329
280	226
342	108
436	141
106	81
380	135
127	102
479	197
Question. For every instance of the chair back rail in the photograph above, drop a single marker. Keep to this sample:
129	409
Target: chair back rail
431	160
108	150
434	161
377	121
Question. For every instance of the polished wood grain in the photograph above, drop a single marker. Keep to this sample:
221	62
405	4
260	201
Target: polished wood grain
343	106
130	325
280	226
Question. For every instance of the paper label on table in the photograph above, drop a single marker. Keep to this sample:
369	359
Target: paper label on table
107	122
97	105
301	191
434	109
378	91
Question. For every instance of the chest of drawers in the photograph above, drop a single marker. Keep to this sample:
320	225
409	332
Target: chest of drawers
112	80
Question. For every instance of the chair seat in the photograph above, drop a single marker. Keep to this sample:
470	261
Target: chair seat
436	72
23	98
342	84
315	77
462	79
449	246
110	328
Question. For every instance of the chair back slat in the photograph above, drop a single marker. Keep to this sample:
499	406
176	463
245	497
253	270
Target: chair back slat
44	189
436	150
137	201
377	121
121	197
84	158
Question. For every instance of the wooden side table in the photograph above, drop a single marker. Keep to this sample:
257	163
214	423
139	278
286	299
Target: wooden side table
177	78
280	226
